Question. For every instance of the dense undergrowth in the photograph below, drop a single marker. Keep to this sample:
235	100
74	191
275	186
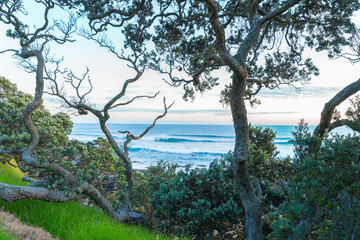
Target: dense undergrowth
68	220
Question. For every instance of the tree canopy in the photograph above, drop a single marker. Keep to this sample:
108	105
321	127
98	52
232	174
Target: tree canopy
261	43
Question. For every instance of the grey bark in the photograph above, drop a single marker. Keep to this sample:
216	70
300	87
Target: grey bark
239	114
237	64
328	110
27	158
11	193
240	160
126	203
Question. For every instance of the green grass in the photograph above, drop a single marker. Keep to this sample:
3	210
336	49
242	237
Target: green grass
11	175
69	220
5	236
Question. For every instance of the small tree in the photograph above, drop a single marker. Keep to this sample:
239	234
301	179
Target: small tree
323	200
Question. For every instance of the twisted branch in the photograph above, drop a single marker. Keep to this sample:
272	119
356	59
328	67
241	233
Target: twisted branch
131	136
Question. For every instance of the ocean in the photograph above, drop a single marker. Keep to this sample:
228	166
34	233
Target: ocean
197	145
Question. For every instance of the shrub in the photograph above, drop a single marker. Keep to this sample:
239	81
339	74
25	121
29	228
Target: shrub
196	203
323	201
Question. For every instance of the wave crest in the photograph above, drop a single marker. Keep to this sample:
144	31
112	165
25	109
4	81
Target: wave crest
177	140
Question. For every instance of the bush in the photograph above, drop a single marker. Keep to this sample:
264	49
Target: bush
323	201
196	203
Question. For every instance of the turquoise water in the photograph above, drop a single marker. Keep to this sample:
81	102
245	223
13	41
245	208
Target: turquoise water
197	145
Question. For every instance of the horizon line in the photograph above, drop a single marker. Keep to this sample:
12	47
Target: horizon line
194	124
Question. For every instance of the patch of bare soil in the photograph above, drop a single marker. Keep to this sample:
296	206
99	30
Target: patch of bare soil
18	229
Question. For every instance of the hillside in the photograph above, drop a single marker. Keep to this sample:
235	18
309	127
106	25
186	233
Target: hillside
68	221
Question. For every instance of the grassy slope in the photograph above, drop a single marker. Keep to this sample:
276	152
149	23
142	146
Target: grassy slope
68	220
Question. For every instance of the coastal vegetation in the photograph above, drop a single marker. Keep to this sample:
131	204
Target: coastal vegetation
250	193
195	38
70	220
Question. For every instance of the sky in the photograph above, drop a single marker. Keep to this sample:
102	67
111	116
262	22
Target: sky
282	106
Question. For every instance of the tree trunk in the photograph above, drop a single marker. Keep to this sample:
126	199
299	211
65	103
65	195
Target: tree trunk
11	193
126	203
240	159
14	193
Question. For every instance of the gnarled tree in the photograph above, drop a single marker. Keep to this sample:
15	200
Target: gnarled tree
80	103
201	36
330	118
34	58
195	37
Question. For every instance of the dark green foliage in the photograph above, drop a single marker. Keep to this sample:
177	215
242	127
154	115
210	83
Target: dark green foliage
53	130
197	203
323	201
94	162
262	156
149	182
186	41
97	164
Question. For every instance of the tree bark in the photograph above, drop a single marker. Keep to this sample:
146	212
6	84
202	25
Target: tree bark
327	112
11	193
355	126
237	64
18	193
126	203
240	159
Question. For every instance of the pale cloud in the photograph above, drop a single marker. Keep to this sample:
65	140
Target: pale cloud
266	113
308	91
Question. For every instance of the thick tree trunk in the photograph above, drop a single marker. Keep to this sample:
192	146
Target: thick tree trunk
240	159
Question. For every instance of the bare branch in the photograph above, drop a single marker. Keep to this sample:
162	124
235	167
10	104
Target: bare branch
70	77
10	50
46	13
122	93
131	137
130	101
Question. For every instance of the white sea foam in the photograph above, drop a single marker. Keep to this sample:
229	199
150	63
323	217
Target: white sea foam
197	145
